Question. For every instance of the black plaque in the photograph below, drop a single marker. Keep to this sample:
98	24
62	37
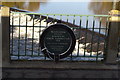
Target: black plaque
57	39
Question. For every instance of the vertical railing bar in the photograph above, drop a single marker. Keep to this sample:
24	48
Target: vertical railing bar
33	37
26	38
73	30
46	20
106	34
71	57
98	42
19	37
92	36
67	18
54	18
61	17
86	35
39	36
46	27
107	24
79	35
74	20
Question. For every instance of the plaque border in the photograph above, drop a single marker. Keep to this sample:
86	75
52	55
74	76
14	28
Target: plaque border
71	48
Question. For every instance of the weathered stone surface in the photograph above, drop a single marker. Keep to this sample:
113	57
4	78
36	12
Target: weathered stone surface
58	73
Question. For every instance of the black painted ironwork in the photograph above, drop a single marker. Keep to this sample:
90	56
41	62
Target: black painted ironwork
91	33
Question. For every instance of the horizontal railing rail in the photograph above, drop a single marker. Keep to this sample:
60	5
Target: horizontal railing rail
59	14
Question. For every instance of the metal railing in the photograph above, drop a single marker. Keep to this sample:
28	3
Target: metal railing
91	33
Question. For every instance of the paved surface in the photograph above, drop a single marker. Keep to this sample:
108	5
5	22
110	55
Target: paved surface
59	73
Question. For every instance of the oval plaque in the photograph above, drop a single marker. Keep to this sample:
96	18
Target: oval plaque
57	39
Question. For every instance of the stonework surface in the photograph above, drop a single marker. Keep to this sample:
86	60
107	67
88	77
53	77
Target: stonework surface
58	73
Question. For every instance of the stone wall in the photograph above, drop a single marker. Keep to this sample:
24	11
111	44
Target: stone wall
58	73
